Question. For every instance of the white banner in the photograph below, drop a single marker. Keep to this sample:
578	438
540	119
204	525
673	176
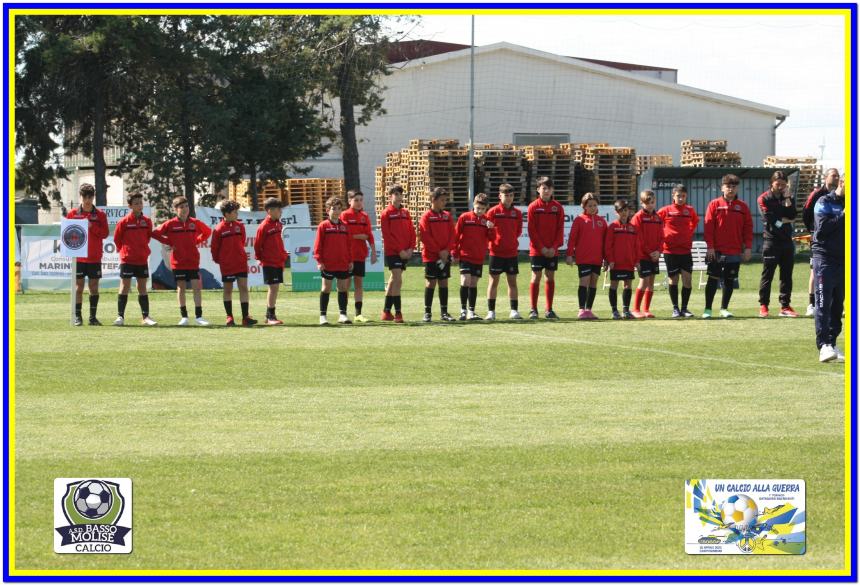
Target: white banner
303	266
115	213
74	238
570	213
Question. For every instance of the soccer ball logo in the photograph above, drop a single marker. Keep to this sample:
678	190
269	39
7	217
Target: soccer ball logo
739	512
93	499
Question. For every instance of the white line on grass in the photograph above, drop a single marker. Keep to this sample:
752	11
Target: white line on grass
679	354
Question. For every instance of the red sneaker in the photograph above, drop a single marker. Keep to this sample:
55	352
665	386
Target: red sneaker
787	312
763	312
648	314
230	322
387	316
398	318
274	322
638	314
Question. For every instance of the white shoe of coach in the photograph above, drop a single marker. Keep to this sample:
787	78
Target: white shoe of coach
827	354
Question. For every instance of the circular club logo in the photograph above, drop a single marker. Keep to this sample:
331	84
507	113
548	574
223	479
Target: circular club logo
74	237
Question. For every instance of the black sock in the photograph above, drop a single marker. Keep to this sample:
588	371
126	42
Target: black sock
78	309
270	312
491	304
515	304
592	294
473	298
358	305
342	301
626	295
464	296
198	311
183	311
121	302
94	305
324	302
244	310
728	289
397	304
582	293
711	291
389	300
428	299
685	297
143	301
673	295
443	298
613	298
812	299
228	308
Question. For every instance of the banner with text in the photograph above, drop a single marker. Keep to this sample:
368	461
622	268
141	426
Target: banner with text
303	267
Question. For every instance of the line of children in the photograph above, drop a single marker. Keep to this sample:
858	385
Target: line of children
398	237
507	223
621	250
585	246
361	236
650	228
471	235
131	237
436	228
89	268
228	251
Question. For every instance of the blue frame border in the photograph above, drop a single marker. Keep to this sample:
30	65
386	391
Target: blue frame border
852	406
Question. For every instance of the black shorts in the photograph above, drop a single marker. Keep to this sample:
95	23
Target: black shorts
89	270
433	272
588	269
725	267
543	263
620	275
273	275
506	265
395	262
471	269
648	268
675	263
338	274
358	268
133	271
186	274
233	277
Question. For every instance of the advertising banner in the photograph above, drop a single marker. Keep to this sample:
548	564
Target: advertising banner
306	275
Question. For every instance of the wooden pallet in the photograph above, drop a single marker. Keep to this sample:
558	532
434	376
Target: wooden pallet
711	159
650	161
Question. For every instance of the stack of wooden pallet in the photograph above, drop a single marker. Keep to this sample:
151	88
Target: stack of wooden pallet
498	164
614	172
708	153
314	192
556	163
241	192
649	161
811	174
447	168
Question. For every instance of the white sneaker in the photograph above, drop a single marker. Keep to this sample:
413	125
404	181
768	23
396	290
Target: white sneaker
810	310
323	320
725	314
470	315
183	322
827	354
840	357
344	320
491	316
202	322
119	321
149	321
515	314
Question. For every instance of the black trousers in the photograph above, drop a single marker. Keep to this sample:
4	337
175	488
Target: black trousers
829	300
782	255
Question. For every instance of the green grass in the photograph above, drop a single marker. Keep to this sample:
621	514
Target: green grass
444	446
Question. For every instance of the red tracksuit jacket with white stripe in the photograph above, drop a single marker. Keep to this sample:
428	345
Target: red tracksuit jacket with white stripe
546	225
507	227
183	237
586	241
728	226
97	233
332	247
228	247
650	228
437	234
131	236
398	233
621	245
471	236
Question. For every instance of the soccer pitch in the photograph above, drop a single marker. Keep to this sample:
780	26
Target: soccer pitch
507	445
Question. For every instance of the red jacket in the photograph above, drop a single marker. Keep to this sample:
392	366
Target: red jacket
621	245
505	235
728	226
546	225
650	228
97	233
332	247
269	244
131	237
437	234
679	225
587	235
228	247
183	237
398	233
470	238
358	222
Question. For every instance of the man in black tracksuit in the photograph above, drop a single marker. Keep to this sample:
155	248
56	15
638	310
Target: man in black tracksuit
778	212
831	181
828	261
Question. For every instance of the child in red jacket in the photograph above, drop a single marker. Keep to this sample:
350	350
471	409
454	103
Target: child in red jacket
504	248
585	247
622	256
398	241
650	228
471	235
437	239
182	235
91	266
131	237
270	253
333	253
546	237
361	236
228	251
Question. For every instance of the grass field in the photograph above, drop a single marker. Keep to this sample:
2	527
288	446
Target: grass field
531	445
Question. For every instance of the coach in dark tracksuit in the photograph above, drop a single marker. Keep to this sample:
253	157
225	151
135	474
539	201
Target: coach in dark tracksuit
778	212
828	261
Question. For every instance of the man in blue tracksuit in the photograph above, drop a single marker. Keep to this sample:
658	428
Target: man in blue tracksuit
828	264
